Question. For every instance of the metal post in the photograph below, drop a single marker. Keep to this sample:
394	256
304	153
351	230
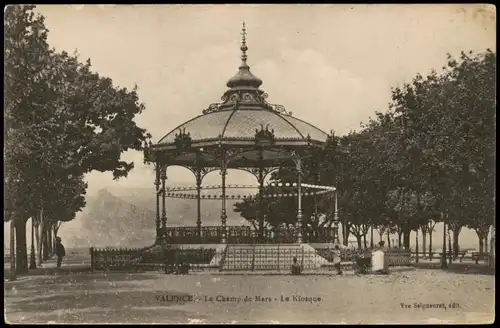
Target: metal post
223	216
158	222
336	239
261	204
32	255
299	205
198	199
163	204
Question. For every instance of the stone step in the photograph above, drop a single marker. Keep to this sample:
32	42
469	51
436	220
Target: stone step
270	257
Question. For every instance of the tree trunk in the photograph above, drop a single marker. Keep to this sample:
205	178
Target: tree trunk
424	241
39	234
364	241
400	234
406	238
12	250
450	249
54	235
481	245
358	238
456	249
430	242
45	238
371	238
486	250
37	238
49	241
21	247
388	239
481	236
346	233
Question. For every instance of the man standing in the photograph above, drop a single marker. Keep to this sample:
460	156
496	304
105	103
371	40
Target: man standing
337	259
60	251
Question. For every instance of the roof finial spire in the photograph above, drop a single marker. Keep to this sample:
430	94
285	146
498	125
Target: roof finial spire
244	78
244	47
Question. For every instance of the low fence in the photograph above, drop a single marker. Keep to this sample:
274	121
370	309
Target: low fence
209	259
243	235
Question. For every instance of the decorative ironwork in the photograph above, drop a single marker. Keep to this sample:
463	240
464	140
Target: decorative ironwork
215	107
263	137
273	107
278	108
183	140
149	155
256	170
247	97
235	97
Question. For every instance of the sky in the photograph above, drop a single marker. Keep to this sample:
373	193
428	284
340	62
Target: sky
331	65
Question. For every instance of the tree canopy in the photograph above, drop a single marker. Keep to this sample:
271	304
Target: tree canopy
62	121
431	152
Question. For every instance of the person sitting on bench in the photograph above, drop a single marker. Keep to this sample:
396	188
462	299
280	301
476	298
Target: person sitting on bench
182	268
296	269
362	263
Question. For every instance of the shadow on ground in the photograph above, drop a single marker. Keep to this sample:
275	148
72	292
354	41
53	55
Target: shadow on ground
97	299
79	281
100	306
461	268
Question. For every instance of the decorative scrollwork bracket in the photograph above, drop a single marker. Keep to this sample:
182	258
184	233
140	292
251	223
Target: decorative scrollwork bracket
183	141
264	137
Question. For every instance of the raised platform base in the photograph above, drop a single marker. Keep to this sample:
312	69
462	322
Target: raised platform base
257	257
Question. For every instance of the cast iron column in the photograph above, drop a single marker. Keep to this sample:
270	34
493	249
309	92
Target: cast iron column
198	200
223	216
157	184
336	239
163	203
261	204
298	163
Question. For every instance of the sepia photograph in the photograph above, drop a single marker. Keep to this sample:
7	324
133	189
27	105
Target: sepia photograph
249	164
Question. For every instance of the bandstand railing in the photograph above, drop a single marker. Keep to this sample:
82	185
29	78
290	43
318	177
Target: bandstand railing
243	235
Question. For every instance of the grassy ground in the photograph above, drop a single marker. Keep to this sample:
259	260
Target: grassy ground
74	295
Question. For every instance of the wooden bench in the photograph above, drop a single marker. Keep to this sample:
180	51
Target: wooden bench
476	256
461	255
447	254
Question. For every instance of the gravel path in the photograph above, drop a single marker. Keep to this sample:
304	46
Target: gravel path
402	297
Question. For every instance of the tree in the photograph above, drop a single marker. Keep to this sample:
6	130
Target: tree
448	123
26	53
61	120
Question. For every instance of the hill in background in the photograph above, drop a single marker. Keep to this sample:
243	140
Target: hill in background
125	217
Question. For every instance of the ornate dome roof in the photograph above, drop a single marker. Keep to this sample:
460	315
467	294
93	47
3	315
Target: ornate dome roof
242	124
243	112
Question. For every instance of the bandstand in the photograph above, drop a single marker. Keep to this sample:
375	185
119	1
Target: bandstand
243	132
